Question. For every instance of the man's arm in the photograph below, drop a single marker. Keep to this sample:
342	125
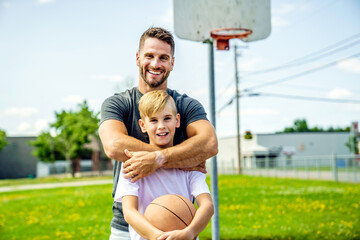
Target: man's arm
115	140
198	224
201	145
137	221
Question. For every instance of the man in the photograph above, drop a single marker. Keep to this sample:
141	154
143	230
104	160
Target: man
194	142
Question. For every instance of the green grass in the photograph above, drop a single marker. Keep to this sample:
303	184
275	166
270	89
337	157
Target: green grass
250	208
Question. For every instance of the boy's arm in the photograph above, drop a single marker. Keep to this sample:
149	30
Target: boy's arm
198	224
137	221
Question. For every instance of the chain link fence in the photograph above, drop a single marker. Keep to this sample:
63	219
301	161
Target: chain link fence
344	168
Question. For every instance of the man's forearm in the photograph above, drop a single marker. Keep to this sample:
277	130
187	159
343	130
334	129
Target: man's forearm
115	140
117	147
193	151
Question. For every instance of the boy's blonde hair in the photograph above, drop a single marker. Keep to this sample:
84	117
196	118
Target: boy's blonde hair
152	102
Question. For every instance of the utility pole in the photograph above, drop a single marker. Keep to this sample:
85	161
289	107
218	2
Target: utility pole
238	135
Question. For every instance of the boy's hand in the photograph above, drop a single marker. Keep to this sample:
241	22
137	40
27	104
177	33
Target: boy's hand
184	234
142	164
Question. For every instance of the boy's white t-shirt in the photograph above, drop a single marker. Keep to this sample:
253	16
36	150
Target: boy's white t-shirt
163	181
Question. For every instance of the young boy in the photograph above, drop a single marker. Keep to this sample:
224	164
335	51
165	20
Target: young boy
159	119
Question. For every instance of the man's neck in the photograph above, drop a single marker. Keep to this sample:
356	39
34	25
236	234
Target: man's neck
145	88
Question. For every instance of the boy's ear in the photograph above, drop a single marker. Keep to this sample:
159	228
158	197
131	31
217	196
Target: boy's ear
142	125
177	120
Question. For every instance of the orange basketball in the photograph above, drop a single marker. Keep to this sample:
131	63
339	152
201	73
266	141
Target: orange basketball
170	212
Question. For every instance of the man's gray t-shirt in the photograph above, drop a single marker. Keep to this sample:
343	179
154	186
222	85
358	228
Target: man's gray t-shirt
125	108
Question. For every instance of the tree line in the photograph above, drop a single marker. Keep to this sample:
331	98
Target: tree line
300	125
68	136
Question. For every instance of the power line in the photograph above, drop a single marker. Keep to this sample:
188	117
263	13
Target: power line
302	73
306	98
226	88
355	101
312	56
248	90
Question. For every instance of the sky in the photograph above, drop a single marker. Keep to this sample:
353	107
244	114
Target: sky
56	53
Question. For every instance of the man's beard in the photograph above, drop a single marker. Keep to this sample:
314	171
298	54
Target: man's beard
154	84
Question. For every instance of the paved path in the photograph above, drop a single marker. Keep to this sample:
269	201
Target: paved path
54	185
316	175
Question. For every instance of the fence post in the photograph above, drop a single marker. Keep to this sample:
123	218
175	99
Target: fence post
335	169
307	167
347	168
267	165
354	164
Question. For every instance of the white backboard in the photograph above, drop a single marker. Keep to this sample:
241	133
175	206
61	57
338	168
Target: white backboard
194	19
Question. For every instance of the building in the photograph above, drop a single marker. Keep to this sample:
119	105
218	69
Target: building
17	161
279	149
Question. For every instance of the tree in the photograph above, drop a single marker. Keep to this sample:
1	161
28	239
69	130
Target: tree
46	148
3	142
352	144
300	125
248	135
72	132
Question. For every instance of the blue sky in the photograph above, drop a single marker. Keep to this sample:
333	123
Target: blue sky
55	53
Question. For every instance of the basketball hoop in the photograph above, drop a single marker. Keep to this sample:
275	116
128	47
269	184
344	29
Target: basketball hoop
223	35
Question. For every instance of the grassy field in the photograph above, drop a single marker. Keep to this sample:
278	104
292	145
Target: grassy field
250	208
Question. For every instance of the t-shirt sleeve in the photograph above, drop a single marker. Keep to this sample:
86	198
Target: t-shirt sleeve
192	110
198	184
115	107
125	187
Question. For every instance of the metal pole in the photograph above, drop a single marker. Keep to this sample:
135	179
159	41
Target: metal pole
237	111
214	181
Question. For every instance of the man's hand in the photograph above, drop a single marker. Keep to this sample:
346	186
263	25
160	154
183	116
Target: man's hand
142	164
201	168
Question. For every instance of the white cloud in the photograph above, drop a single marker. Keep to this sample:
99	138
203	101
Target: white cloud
73	99
6	4
277	21
230	91
20	112
167	18
112	78
351	65
259	112
284	9
23	127
277	16
198	93
250	64
249	112
41	125
339	93
44	1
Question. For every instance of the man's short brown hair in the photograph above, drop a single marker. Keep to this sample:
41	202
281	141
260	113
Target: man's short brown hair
158	33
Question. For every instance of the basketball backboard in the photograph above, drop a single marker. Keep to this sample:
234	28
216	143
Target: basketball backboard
194	19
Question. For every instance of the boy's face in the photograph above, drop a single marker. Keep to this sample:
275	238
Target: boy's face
161	127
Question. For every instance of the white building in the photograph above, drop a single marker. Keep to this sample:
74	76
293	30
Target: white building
278	149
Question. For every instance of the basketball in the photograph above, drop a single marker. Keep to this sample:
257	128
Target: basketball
170	212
